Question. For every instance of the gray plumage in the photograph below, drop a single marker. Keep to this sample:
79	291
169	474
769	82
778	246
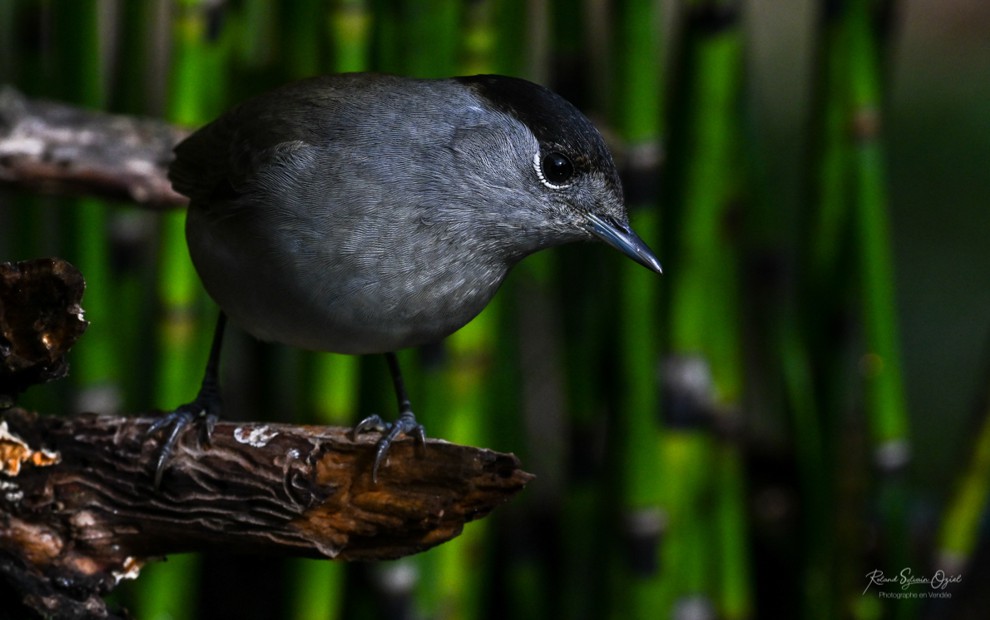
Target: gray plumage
366	213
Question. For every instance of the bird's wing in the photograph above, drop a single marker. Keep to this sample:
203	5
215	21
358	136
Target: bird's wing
220	161
217	163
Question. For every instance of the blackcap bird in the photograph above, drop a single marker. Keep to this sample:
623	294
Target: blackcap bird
365	213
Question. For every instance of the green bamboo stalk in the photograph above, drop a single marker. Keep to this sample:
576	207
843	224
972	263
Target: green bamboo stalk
591	478
255	25
510	17
78	35
459	571
699	324
850	198
315	589
705	323
524	576
432	37
686	552
734	594
638	115
816	378
886	407
301	37
830	180
134	229
350	26
478	51
962	522
419	38
810	437
97	367
639	119
137	21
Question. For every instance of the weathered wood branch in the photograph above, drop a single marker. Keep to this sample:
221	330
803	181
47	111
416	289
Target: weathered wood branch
86	483
57	148
78	505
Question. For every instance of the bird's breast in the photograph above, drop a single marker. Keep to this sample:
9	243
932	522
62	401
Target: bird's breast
345	289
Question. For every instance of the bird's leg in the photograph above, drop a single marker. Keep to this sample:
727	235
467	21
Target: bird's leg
406	424
205	408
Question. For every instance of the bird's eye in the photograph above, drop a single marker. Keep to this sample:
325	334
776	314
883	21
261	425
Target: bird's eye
557	169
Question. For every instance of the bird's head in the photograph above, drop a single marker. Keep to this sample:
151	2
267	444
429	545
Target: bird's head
568	171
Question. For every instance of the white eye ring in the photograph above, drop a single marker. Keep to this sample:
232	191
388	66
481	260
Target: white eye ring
538	166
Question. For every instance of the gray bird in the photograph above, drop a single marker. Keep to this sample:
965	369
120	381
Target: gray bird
365	213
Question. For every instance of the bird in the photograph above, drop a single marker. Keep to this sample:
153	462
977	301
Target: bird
367	213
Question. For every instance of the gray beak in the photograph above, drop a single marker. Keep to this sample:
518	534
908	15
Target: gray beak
624	240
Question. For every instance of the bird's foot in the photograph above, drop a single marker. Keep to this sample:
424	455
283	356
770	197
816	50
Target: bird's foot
405	425
203	412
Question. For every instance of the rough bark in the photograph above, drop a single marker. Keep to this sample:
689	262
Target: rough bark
78	507
56	148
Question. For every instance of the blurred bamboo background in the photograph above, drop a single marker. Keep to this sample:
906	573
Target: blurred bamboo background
799	401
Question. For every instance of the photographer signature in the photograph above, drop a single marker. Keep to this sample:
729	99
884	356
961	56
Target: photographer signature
905	579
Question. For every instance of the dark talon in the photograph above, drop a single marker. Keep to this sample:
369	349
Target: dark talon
180	419
370	423
204	409
405	425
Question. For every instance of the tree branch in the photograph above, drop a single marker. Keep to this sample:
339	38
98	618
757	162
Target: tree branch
87	482
79	509
56	148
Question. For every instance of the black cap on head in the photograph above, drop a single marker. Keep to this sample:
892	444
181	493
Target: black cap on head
555	122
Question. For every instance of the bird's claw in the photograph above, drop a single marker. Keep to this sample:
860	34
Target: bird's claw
179	420
405	425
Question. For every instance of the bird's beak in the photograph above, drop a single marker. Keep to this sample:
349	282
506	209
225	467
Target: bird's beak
623	239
